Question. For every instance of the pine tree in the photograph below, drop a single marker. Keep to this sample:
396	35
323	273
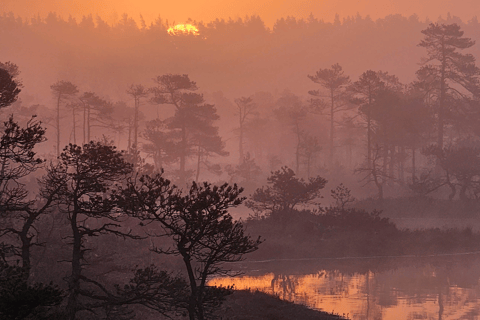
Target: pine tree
448	78
334	82
193	119
62	90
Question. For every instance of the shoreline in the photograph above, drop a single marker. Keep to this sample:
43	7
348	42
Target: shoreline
249	305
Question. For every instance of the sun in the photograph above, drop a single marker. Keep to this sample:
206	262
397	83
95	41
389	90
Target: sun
183	29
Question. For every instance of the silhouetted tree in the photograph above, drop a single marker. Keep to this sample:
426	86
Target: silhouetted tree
13	70
95	109
335	83
17	207
309	149
248	171
138	92
9	89
83	181
292	112
155	289
62	90
20	299
342	196
461	166
205	138
245	109
285	191
365	90
122	121
75	106
161	143
204	234
412	127
385	114
193	119
175	90
374	171
447	75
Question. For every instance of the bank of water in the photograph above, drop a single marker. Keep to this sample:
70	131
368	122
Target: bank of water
393	288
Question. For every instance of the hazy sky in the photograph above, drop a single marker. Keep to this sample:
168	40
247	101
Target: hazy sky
268	10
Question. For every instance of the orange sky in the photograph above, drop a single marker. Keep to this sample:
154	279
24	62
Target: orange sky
269	10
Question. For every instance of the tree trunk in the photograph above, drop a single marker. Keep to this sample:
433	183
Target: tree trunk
369	131
192	301
88	124
240	143
199	160
391	169
401	166
183	156
74	281
58	124
369	142
452	188
414	176
157	158
380	190
129	136
441	111
135	124
26	245
332	128
297	153
308	166
463	191
84	124
74	125
349	152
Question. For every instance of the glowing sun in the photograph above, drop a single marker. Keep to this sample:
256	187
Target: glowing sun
183	29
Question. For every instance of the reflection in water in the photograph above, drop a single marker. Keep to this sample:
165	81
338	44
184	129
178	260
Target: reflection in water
443	290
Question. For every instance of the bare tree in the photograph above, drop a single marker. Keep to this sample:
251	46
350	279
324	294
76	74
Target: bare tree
138	92
245	108
374	171
95	110
62	90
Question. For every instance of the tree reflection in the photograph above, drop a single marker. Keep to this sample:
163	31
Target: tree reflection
412	289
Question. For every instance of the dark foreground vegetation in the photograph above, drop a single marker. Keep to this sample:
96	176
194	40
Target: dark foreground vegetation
255	305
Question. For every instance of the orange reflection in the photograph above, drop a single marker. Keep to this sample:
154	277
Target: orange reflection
366	296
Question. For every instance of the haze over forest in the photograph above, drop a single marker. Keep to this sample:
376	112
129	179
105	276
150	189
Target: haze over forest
291	132
229	59
270	11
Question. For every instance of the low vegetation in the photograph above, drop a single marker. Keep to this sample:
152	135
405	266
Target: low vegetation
250	305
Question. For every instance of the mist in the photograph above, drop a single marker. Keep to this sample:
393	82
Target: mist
322	151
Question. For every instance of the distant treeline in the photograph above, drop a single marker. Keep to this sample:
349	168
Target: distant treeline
233	56
378	98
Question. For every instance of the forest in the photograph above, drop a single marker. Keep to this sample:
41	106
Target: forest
136	163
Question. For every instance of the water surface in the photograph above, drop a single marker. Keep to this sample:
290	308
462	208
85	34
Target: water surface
411	288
